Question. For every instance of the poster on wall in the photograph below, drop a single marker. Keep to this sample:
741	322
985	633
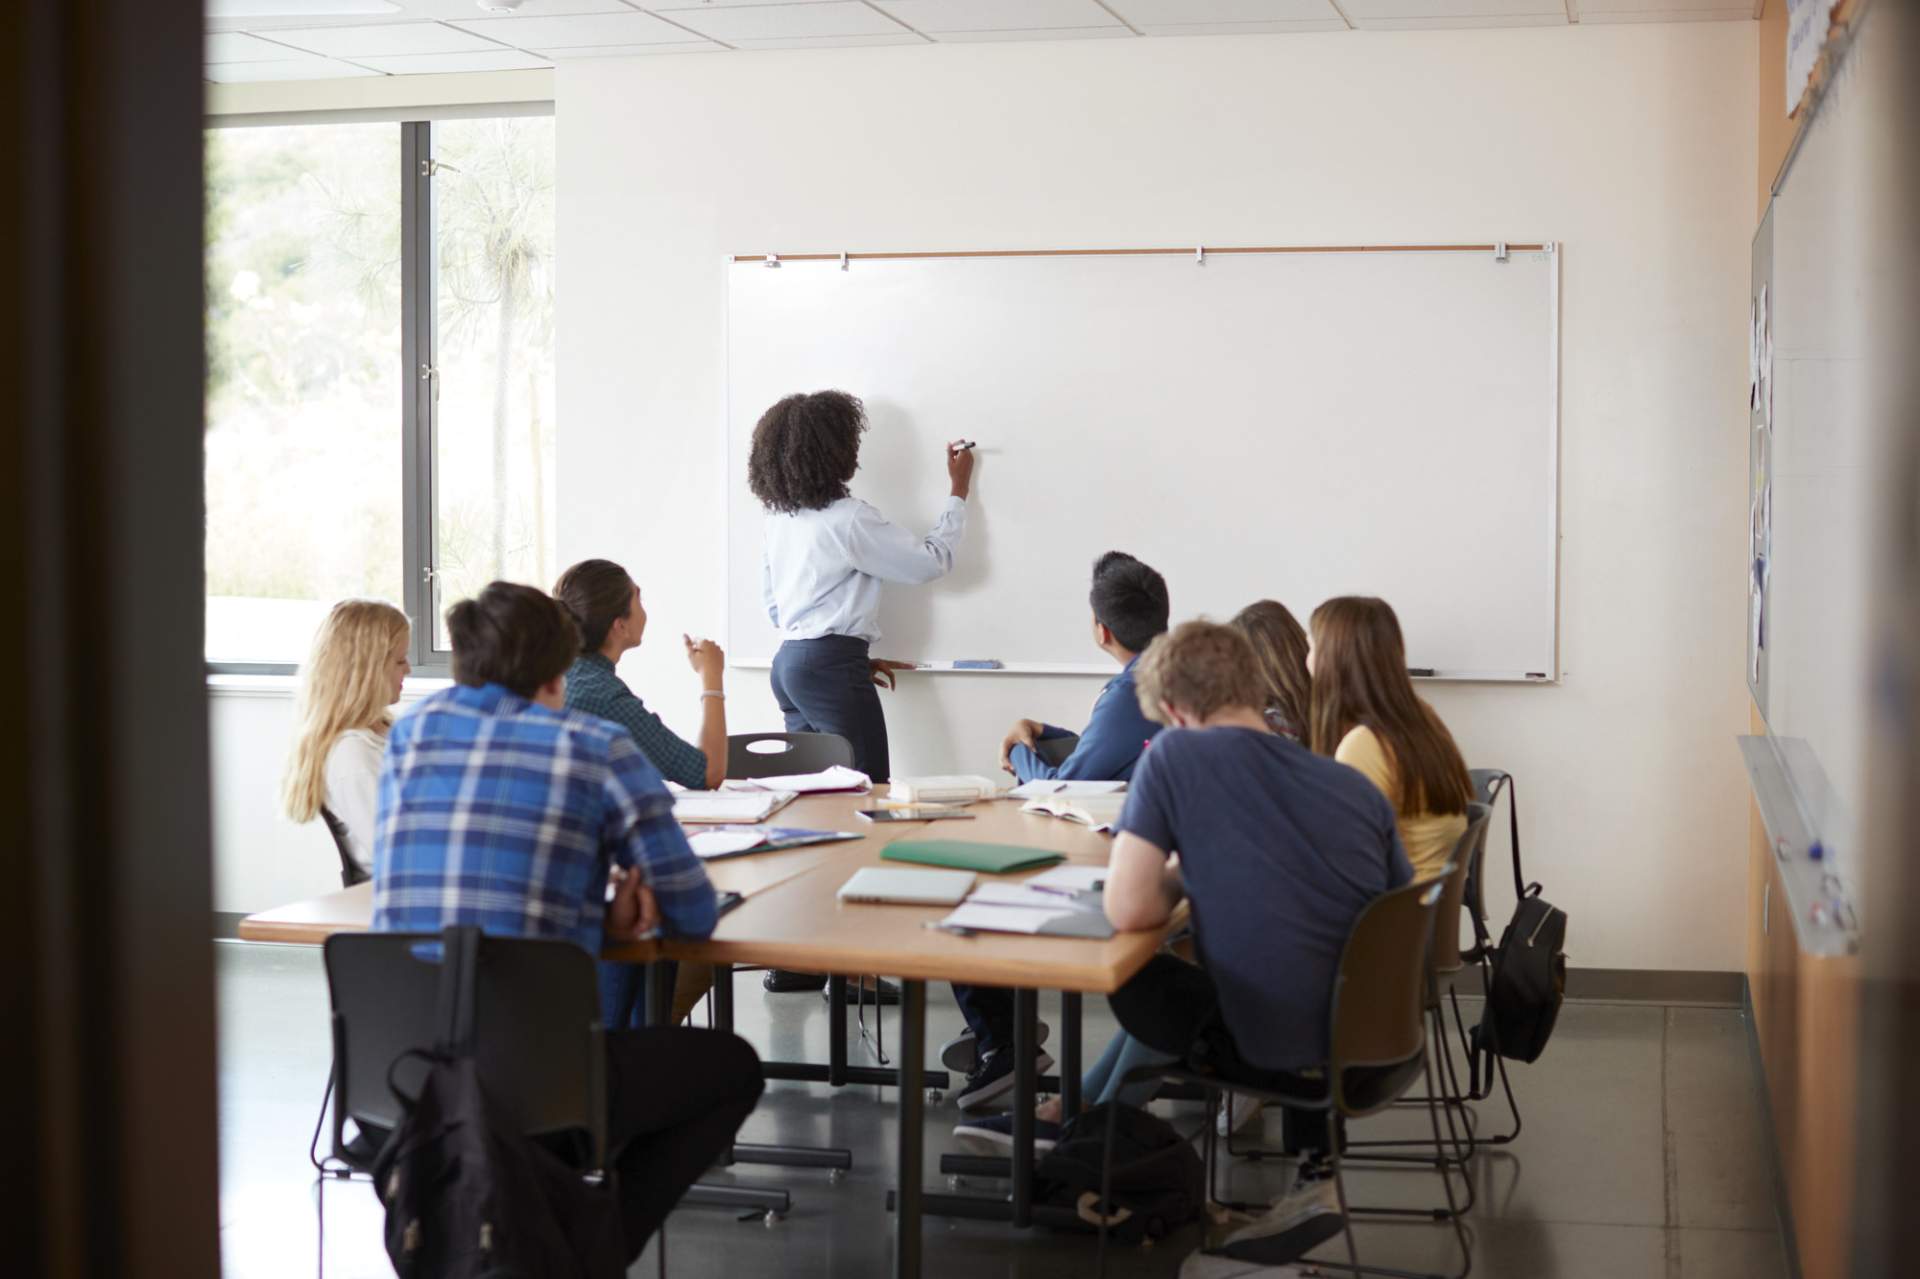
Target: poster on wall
1807	24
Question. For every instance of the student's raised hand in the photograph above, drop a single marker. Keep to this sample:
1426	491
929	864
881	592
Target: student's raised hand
960	467
708	662
1025	732
882	669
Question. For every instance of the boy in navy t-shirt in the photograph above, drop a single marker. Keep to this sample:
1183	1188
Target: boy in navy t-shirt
1277	849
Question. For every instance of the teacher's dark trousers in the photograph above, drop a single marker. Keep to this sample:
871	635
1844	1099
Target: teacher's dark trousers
823	686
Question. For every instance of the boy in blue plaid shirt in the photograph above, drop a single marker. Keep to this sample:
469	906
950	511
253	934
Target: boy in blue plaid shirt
501	808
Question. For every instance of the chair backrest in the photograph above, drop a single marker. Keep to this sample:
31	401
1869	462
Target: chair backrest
536	1030
350	872
751	755
1379	996
1466	860
1053	751
1488	783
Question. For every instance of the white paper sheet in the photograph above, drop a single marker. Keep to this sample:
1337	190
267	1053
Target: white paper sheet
1070	878
837	778
1026	896
1054	786
722	843
729	806
1002	919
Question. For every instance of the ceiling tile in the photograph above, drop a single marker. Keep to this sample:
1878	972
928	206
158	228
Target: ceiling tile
578	32
631	50
1464	23
1364	11
389	40
418	11
1744	14
737	23
1043	33
1169	13
941	16
235	47
1242	28
455	63
304	67
830	42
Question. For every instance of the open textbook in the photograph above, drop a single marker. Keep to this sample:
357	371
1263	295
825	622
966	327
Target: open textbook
1102	812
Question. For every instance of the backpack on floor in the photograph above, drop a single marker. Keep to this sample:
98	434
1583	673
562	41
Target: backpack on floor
468	1196
1157	1178
1527	977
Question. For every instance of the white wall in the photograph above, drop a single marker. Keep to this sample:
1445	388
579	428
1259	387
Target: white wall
1634	145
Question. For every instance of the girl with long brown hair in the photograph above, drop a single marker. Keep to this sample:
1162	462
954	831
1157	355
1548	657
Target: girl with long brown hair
1280	651
1364	712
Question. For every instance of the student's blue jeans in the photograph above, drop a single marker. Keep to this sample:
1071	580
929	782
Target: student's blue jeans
623	994
1101	1084
824	686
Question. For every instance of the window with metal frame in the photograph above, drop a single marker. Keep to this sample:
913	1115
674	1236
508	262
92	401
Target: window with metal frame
380	400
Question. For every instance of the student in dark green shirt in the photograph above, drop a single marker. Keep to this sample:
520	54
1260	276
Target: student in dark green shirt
605	605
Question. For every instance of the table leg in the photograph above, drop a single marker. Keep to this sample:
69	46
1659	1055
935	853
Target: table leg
836	1031
723	996
913	1100
660	993
1025	1032
1069	1054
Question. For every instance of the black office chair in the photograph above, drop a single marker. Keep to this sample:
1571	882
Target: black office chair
536	1036
780	754
350	872
1377	1030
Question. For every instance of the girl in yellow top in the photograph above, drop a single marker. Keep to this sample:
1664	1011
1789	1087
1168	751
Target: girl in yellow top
1363	712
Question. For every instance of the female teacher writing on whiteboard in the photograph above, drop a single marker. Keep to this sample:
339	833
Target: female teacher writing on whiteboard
826	555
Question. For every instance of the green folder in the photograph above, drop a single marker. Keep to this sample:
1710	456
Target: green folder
961	854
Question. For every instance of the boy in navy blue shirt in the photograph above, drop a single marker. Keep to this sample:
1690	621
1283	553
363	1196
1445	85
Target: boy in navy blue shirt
1129	603
1277	849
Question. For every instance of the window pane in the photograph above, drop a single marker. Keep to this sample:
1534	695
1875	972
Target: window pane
493	447
303	381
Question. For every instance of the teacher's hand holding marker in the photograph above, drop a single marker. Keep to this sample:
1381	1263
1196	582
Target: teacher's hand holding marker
827	555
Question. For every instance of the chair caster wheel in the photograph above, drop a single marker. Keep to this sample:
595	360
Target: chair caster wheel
836	1175
771	1220
953	1183
935	1096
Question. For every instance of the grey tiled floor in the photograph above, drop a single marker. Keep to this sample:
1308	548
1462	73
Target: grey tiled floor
1642	1154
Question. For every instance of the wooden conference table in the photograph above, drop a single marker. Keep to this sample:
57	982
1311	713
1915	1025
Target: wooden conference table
792	919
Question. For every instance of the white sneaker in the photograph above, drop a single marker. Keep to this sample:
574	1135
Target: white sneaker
1237	1114
1307	1215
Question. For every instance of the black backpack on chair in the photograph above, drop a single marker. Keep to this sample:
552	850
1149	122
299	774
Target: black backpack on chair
467	1195
1527	973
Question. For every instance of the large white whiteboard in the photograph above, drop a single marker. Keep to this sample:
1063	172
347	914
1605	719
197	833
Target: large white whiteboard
1286	425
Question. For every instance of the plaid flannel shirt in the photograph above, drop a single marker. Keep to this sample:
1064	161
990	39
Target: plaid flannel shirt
593	687
498	812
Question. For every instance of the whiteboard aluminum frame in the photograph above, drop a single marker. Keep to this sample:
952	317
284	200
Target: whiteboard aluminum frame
1500	248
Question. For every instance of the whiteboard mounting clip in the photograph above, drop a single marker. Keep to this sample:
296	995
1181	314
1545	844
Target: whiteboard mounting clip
843	261
773	259
1200	255
1500	251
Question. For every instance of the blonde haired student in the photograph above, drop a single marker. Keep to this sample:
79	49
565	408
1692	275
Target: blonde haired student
351	679
1280	652
1364	712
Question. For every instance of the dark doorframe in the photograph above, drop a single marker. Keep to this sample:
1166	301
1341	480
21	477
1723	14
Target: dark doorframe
108	1150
